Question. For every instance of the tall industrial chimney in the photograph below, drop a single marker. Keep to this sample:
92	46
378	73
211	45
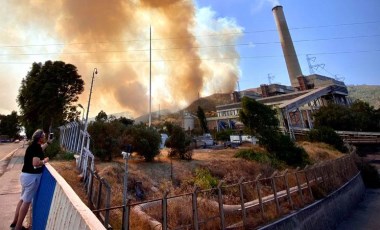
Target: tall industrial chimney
292	64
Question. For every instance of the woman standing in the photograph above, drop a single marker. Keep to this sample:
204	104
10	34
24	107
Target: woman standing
30	176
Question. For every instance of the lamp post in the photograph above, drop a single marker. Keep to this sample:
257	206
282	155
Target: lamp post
81	106
126	155
86	123
89	98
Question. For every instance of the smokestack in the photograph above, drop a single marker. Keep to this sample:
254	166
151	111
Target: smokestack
292	64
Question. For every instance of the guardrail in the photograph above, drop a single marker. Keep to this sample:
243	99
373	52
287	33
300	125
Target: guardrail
244	204
57	206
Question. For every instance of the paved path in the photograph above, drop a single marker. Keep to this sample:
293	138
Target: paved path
10	188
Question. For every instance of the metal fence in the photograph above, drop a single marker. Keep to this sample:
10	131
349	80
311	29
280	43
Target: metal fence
246	204
73	138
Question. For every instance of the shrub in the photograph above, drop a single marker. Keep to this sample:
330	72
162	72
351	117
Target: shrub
250	154
224	135
144	140
328	136
179	143
204	179
284	149
53	150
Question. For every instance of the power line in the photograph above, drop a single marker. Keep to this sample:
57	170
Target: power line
195	36
208	59
192	47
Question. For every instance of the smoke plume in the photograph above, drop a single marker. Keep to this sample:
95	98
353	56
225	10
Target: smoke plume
113	36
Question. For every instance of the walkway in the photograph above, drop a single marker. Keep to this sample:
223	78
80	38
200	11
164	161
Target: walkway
10	188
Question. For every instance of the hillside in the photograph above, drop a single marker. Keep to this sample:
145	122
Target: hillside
367	93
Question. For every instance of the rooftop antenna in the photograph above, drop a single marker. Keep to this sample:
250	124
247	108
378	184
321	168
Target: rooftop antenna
270	78
238	85
311	66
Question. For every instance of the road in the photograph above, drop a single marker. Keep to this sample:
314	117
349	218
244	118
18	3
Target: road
6	152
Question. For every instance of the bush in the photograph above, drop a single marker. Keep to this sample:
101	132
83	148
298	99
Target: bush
53	150
250	154
144	140
328	136
179	143
284	149
224	135
204	179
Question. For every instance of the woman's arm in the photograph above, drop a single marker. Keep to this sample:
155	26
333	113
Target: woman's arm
37	162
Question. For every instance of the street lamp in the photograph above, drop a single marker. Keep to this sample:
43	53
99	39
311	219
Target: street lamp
86	124
81	106
89	98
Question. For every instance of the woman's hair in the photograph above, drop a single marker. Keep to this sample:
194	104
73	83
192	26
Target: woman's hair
37	135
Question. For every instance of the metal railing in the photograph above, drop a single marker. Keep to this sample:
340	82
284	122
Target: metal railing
243	204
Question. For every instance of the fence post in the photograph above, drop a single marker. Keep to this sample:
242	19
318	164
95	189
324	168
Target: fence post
220	202
195	209
259	195
299	185
242	201
272	177
287	188
306	169
165	211
91	182
107	205
99	191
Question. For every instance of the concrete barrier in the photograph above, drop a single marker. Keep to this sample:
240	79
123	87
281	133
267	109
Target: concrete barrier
326	213
57	206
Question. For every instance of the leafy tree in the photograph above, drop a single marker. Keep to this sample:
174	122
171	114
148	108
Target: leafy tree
360	116
202	119
106	138
10	125
144	140
47	94
102	116
257	117
329	136
261	121
179	143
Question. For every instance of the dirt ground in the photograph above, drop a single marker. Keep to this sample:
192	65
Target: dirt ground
175	175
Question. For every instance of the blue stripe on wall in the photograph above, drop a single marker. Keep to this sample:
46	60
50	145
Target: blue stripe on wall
42	200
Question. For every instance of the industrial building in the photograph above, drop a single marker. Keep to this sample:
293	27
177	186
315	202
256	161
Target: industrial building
295	104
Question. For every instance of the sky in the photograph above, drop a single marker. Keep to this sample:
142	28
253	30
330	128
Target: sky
199	47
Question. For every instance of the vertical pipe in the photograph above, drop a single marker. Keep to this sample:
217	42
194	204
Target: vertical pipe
150	76
165	211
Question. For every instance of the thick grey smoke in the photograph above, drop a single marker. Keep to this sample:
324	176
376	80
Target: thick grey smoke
113	36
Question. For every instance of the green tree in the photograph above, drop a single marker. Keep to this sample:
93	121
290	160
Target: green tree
202	119
10	125
144	140
257	117
179	143
102	116
106	137
47	94
360	116
261	121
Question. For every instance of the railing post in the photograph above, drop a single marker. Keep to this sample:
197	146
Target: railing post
272	177
242	201
107	205
99	192
90	203
195	209
259	195
306	169
287	188
220	202
165	211
299	185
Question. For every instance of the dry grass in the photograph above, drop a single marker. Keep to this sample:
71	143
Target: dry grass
176	176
